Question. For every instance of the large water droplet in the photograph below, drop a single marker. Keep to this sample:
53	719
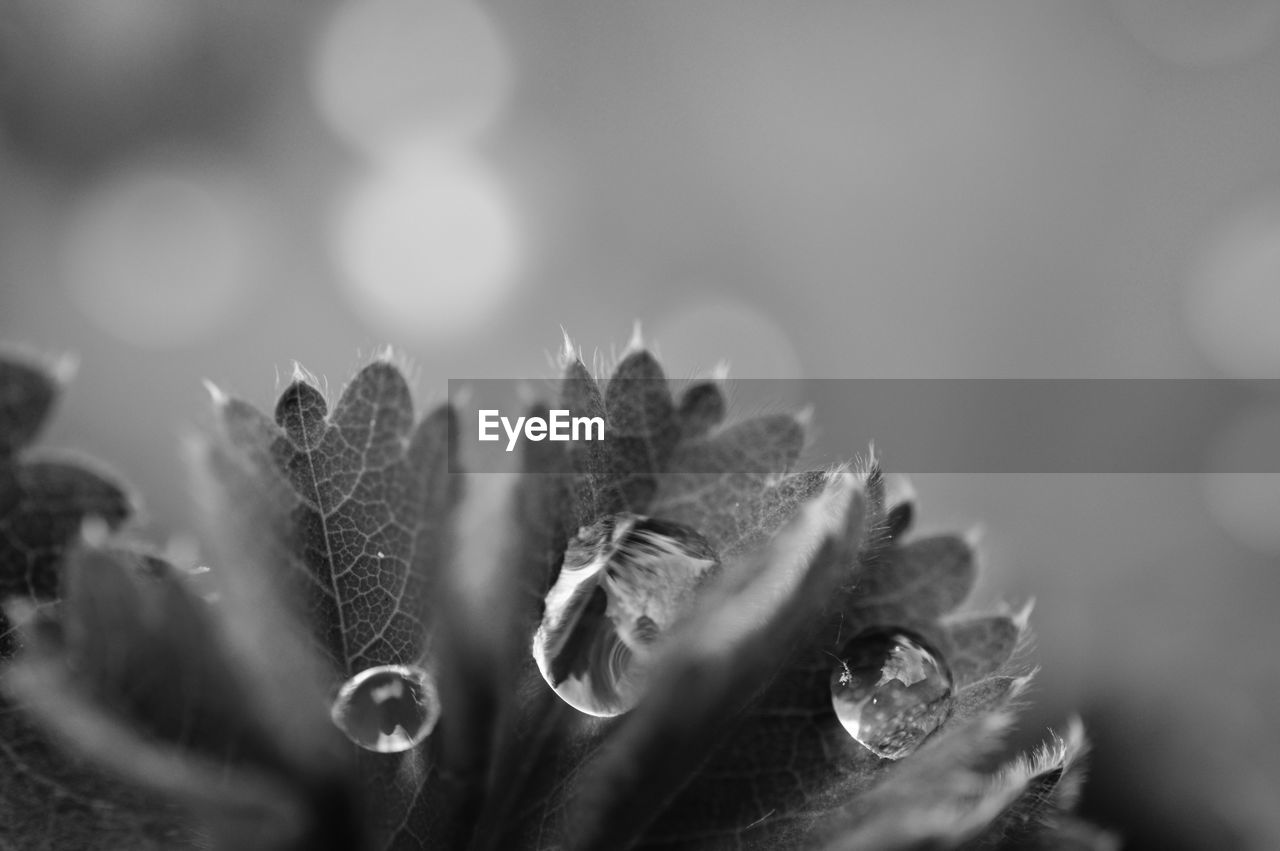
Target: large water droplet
387	708
624	583
890	691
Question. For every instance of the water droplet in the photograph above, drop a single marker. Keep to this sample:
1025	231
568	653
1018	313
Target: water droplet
387	708
890	691
625	581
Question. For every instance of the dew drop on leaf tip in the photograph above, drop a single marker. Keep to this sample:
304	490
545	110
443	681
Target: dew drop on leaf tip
890	690
387	708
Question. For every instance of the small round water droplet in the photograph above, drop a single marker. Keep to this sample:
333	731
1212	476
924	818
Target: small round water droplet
625	581
387	708
890	690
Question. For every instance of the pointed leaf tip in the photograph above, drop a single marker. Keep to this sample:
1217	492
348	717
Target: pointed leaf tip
636	343
1022	683
900	489
1022	617
568	352
301	412
216	393
28	391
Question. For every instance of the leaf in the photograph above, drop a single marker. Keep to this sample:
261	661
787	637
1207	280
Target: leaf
789	760
739	485
702	408
939	801
49	801
1074	834
916	799
732	485
920	580
43	505
43	502
787	753
361	511
642	427
1039	791
348	513
978	646
715	667
988	695
357	504
370	498
596	487
138	675
27	395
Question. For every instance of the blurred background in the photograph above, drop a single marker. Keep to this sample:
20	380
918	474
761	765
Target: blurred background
1086	188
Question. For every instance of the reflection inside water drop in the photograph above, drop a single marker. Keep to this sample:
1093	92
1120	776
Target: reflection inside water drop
387	708
890	690
625	581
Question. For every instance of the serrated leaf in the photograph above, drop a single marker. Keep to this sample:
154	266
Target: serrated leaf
43	505
642	426
988	695
43	502
596	488
1036	792
732	486
790	754
898	520
138	675
1009	810
714	669
740	487
919	580
359	514
50	801
736	746
370	499
27	394
978	646
917	801
939	799
702	408
367	524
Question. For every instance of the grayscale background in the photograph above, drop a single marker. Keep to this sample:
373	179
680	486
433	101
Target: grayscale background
1077	189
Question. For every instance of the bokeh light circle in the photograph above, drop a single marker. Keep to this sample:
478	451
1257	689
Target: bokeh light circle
1233	298
159	256
387	69
427	244
695	340
1201	33
1246	504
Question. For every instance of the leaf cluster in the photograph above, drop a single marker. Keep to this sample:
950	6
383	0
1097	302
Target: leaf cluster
145	711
